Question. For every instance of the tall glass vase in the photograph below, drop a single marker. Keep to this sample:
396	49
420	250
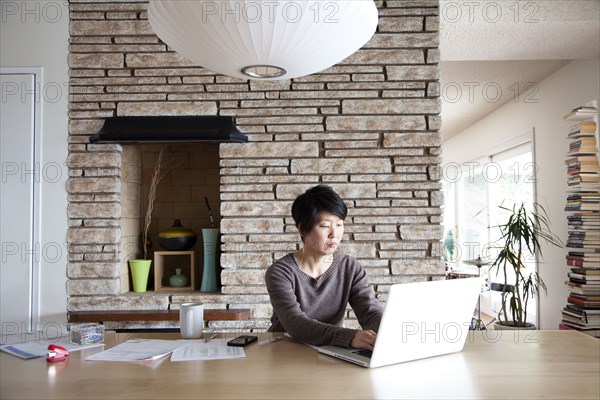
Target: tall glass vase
210	238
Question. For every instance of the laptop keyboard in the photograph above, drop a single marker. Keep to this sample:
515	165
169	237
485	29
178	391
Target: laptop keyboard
364	353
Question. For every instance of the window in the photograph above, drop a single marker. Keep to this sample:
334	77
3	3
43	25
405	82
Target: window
505	176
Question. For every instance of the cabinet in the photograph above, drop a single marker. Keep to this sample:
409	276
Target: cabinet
165	264
20	135
582	311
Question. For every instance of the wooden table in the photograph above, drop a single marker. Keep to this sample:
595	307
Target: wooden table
493	365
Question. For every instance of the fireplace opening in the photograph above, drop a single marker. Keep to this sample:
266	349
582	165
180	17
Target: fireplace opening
190	173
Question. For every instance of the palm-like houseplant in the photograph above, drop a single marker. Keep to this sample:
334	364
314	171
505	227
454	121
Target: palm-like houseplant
521	238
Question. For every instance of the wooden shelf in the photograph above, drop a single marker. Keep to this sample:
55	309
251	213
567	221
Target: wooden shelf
155	315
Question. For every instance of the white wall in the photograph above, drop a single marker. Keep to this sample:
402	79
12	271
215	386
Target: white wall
36	34
570	87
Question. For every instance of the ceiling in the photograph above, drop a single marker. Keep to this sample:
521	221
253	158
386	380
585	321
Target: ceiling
491	51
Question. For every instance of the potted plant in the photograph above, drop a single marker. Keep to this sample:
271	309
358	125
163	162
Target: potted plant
520	240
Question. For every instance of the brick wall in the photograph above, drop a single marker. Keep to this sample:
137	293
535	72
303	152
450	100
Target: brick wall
367	126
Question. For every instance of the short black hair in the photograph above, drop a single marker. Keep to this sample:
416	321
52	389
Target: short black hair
307	207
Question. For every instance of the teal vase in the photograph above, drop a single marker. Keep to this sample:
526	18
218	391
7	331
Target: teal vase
209	275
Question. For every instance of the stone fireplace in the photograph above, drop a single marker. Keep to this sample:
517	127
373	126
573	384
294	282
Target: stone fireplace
367	126
190	173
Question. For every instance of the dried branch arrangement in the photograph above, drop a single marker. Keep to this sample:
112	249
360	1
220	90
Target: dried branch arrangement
160	171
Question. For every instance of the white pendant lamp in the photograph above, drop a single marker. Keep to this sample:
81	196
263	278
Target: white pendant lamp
264	39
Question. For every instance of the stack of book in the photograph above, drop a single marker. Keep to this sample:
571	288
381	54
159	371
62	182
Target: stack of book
582	311
583	112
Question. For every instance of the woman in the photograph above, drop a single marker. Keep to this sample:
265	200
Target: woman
311	287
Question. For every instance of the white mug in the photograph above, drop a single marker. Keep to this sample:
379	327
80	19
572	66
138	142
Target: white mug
191	320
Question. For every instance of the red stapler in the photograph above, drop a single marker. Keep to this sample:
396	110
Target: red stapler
57	353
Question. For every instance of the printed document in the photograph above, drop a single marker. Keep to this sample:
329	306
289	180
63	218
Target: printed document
138	350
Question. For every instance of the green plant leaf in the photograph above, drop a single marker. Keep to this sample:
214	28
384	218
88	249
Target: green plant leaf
520	239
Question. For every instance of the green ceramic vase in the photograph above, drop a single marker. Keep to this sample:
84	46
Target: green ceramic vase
178	280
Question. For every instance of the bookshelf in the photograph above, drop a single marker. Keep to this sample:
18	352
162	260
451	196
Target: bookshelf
582	311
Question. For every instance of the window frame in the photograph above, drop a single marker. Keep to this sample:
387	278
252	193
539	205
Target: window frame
455	205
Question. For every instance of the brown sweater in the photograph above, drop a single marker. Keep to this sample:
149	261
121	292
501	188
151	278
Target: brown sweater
312	310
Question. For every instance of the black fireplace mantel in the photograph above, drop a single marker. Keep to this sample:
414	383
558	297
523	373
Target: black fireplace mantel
168	129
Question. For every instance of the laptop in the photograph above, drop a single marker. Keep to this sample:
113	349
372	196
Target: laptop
420	320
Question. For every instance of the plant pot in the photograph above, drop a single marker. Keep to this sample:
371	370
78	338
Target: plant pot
140	269
499	326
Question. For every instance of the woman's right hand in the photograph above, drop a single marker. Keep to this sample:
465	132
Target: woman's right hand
364	340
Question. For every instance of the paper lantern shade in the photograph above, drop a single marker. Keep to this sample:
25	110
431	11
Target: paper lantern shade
279	39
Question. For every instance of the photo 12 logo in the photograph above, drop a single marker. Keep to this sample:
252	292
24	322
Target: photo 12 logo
435	332
260	11
490	92
490	172
22	172
28	11
21	252
491	12
50	92
19	332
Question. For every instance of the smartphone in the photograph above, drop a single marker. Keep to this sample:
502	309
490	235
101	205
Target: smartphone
242	341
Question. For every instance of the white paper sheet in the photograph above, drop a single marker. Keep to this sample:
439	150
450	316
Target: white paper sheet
212	350
138	350
39	347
